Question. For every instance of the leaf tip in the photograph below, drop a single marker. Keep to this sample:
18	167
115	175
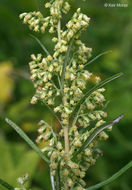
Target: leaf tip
121	74
118	118
6	120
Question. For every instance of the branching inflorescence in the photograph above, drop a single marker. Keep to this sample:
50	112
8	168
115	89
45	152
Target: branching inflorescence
61	81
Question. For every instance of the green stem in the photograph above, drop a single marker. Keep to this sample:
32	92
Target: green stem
66	140
59	30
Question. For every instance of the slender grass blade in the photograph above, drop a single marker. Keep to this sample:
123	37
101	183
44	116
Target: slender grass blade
39	42
112	178
6	185
27	139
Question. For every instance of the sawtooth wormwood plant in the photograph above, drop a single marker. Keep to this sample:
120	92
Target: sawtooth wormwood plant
73	95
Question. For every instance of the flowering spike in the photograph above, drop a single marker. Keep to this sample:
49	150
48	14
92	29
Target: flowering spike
62	84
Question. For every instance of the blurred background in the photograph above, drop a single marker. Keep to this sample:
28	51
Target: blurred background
109	29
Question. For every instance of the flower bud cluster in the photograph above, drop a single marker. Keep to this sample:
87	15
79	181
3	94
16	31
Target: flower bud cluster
35	20
57	7
74	86
54	149
83	54
38	23
43	71
91	111
78	23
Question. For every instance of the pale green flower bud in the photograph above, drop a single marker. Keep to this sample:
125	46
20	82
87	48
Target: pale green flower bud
42	129
34	100
59	146
21	16
54	39
33	57
52	141
51	30
103	135
53	165
54	156
73	165
66	7
66	172
50	93
50	102
88	152
69	182
47	135
47	5
78	143
50	69
65	121
99	123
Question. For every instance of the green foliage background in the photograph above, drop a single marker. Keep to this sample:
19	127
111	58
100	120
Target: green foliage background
110	29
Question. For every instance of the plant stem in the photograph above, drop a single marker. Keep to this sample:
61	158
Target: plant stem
59	29
66	140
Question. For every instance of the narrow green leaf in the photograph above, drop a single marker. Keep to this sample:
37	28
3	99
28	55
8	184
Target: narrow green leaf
6	185
95	58
75	111
52	181
112	178
39	42
27	139
95	133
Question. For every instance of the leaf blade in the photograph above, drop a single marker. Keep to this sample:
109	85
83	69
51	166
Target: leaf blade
27	139
39	42
95	58
95	133
52	181
112	178
5	184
